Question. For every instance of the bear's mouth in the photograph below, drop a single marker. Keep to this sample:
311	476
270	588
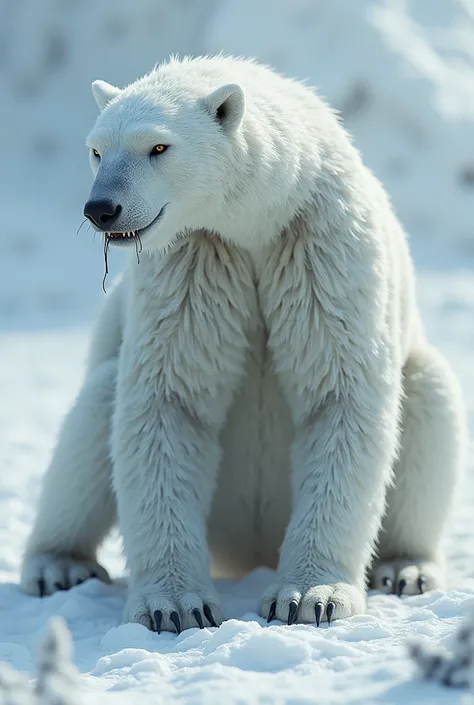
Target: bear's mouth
121	236
123	239
132	236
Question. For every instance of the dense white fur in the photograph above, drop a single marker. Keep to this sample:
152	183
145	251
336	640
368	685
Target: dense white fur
260	367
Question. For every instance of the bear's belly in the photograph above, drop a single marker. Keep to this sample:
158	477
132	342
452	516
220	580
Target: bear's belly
252	502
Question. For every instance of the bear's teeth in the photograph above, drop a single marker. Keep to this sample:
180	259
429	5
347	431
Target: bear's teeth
129	234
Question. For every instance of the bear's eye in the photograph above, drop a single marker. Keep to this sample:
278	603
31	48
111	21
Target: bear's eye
158	149
96	153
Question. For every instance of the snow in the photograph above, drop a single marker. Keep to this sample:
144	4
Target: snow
402	73
453	666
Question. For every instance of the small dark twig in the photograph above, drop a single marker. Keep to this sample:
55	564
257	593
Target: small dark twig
106	260
138	242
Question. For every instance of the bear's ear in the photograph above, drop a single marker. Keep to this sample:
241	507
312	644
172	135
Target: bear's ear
227	106
103	93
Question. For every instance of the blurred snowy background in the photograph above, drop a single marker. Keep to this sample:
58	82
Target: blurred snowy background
402	74
400	71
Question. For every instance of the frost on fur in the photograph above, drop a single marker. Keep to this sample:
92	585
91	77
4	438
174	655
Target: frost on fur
453	668
57	677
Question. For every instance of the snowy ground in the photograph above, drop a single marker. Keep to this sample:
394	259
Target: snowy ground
416	130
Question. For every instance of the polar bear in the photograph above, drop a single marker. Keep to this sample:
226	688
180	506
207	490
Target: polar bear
259	389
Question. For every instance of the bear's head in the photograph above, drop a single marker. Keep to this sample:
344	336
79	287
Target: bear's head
163	155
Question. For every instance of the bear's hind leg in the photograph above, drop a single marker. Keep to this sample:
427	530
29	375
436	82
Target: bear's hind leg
432	443
77	506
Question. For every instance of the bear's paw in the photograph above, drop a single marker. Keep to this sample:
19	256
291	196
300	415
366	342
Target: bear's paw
164	609
297	604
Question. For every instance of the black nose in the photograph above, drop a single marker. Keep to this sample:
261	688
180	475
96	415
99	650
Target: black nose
102	212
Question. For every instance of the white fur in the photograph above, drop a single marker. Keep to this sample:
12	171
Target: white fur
104	93
268	358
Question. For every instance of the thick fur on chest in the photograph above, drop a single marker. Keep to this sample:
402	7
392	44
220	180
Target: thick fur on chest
187	320
194	311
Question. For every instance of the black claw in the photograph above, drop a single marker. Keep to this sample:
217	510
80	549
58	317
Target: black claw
401	586
209	617
174	617
198	618
386	582
292	612
94	575
158	617
41	587
330	611
421	584
272	611
318	610
79	581
59	586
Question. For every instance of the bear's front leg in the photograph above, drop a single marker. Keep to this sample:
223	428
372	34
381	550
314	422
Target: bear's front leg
332	347
182	358
338	482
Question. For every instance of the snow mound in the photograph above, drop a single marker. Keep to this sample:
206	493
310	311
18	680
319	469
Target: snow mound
56	675
450	667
